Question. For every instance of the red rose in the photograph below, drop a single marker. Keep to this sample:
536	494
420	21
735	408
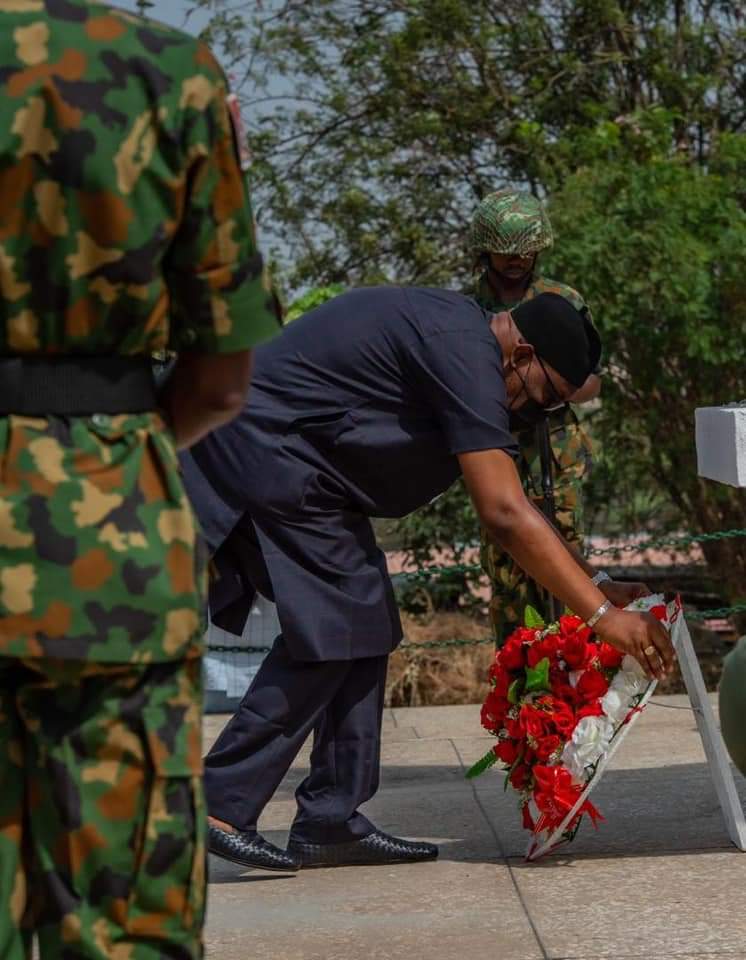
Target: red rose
659	611
500	680
577	652
591	686
534	723
520	776
569	624
590	710
546	647
561	689
609	657
493	713
512	656
507	751
563	718
513	728
546	746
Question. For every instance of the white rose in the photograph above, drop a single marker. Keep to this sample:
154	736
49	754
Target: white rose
630	681
615	706
590	741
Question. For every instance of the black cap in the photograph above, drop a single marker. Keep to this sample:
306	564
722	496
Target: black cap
561	335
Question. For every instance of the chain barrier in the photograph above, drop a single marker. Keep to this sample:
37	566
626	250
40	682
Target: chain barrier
716	613
712	614
660	542
426	572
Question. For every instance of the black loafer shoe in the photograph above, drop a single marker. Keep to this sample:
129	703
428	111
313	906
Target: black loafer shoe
377	847
250	850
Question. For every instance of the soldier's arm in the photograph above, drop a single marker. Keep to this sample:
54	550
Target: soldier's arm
205	391
221	304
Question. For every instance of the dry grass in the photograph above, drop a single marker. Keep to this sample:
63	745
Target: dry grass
439	676
436	677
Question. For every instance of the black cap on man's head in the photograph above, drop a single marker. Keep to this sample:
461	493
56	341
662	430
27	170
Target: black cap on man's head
561	335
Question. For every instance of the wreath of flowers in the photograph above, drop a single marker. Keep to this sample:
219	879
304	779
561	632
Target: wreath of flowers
559	698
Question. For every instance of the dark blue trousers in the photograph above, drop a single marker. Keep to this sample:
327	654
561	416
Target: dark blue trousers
342	702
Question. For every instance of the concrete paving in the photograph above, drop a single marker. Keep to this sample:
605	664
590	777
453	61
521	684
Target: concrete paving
658	880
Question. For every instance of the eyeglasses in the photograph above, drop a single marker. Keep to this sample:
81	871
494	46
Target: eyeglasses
554	395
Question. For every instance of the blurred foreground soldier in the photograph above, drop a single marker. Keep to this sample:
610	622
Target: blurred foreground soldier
509	231
733	704
124	230
370	405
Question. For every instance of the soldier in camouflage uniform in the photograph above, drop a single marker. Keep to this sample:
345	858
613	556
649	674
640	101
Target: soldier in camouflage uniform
124	230
509	230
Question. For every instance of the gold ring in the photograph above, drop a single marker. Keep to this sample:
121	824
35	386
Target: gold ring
649	651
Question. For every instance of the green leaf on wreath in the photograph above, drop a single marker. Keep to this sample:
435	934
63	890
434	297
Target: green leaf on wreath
537	678
532	618
515	690
481	765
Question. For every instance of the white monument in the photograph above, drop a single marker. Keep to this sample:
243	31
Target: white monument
721	443
721	455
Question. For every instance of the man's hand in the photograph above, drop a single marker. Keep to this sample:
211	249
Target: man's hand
621	593
641	636
589	391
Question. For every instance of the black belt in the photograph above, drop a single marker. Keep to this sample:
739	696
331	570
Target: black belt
38	386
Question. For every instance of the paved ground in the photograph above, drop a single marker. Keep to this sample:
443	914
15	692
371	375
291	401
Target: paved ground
658	881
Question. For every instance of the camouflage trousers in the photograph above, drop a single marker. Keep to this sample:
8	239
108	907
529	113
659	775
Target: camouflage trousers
511	589
102	837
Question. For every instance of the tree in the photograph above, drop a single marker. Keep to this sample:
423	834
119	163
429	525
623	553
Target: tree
378	124
661	246
312	298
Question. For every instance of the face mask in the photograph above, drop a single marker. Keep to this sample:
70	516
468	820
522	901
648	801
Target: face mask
528	415
532	412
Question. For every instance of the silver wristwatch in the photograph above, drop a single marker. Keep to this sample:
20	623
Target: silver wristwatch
600	577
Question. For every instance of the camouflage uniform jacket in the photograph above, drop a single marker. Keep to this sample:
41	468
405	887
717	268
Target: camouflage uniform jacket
125	228
571	451
486	297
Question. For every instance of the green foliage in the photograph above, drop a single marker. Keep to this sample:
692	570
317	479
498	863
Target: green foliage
660	245
532	618
377	126
312	298
515	690
537	678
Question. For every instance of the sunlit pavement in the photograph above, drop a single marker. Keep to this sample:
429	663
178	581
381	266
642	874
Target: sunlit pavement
659	879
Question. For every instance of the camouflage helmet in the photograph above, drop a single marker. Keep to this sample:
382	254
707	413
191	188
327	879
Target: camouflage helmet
510	222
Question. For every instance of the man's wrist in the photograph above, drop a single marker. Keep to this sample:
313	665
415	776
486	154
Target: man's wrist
595	617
